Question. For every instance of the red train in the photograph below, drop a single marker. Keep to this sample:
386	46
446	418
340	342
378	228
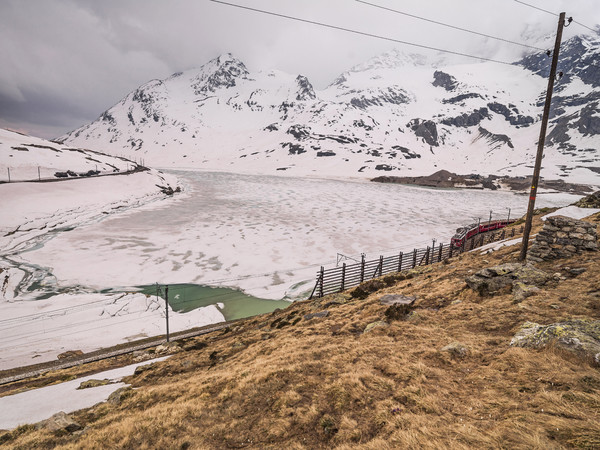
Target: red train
464	233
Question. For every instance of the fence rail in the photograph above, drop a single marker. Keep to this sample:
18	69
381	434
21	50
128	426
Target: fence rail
346	276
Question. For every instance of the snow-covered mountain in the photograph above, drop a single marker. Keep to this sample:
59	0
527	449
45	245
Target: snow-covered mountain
396	114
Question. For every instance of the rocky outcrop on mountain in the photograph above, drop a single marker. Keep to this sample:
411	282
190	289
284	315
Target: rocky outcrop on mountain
396	112
495	140
227	71
425	129
444	80
467	119
512	114
305	89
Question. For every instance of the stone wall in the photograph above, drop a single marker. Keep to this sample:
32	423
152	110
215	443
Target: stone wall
563	237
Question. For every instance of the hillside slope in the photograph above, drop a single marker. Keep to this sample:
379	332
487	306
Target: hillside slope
445	376
397	114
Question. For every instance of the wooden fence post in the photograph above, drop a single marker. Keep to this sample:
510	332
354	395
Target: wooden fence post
343	277
321	285
440	253
450	250
381	265
362	268
400	262
414	258
427	256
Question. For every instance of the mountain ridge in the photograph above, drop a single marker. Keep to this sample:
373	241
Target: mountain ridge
397	113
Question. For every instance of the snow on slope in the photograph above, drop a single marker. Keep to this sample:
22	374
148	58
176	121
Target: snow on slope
33	212
399	114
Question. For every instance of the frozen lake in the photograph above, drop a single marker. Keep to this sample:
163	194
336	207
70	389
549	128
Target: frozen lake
262	234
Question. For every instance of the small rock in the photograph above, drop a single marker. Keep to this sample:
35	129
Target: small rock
317	315
379	324
400	306
119	395
94	383
521	291
70	354
577	271
456	349
60	421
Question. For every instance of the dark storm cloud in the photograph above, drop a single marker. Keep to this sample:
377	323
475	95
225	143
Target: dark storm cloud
63	62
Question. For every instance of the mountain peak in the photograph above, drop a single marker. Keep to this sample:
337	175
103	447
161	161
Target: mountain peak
221	72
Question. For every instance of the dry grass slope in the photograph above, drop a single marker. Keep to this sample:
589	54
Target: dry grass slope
280	381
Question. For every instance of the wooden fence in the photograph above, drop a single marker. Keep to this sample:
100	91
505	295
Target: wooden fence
346	276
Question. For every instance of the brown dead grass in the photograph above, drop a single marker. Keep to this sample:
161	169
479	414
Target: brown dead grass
323	383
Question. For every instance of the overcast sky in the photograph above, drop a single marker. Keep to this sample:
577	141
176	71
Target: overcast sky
63	62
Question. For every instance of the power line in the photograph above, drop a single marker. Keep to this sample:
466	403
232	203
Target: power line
535	7
362	33
553	14
585	26
450	26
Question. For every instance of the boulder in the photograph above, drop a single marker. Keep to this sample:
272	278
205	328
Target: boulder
399	305
119	395
379	324
521	291
456	349
494	280
317	315
70	354
60	421
93	383
579	336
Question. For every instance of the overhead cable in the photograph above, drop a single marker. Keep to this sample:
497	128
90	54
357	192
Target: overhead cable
556	15
450	26
362	33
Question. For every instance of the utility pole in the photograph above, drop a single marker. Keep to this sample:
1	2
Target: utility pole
542	140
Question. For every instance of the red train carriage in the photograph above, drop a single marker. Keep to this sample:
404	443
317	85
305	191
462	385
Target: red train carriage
464	233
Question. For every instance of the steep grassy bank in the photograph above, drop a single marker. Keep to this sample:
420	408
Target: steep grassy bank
287	381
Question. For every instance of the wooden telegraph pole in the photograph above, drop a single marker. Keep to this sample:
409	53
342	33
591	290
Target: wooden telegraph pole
541	142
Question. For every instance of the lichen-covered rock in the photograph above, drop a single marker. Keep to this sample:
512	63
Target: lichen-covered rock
494	280
119	395
581	337
591	201
399	305
521	291
93	383
60	421
456	349
373	325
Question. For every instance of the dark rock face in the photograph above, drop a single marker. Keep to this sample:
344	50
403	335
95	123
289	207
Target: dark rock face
395	96
460	98
305	89
517	120
228	70
325	153
425	129
444	80
563	237
407	153
467	120
300	132
495	138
